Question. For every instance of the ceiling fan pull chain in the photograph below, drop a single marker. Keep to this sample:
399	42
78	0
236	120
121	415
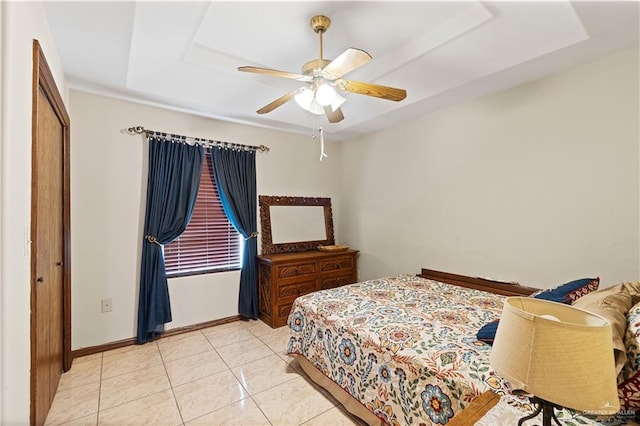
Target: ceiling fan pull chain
322	154
313	126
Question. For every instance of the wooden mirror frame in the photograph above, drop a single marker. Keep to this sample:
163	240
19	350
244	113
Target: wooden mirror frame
268	247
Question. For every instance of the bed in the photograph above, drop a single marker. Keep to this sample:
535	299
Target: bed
403	350
393	351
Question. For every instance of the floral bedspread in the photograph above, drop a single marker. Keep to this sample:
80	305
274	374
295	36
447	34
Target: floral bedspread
405	347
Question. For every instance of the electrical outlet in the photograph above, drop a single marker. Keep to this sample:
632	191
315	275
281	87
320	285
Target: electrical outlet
106	305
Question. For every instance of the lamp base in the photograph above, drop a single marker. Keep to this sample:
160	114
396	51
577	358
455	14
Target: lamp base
546	408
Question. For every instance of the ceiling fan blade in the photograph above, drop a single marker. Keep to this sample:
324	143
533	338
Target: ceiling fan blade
275	73
278	102
384	92
348	61
333	116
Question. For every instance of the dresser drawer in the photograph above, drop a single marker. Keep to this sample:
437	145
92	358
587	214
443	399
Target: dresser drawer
296	269
296	289
283	314
336	281
338	263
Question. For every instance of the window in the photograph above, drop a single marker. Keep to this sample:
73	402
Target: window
210	243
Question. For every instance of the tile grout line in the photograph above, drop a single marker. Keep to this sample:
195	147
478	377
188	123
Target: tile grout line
318	415
260	408
247	390
100	388
145	396
228	368
279	357
234	376
164	365
70	388
251	396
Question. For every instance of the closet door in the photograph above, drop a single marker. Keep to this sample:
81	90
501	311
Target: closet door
49	232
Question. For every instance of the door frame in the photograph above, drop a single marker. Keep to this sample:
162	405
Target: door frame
43	80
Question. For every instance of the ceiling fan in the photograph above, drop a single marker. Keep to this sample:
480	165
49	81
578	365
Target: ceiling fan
324	76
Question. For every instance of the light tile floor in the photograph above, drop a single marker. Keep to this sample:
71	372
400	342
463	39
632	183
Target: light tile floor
231	374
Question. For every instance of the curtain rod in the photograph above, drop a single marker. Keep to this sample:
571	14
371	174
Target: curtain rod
139	130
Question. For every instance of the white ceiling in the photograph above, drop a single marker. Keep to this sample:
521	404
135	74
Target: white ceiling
184	55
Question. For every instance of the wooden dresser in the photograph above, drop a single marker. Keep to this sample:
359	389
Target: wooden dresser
284	277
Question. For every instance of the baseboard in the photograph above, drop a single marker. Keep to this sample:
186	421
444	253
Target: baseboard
90	350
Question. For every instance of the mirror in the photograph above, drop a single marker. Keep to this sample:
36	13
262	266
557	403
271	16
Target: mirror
293	224
297	223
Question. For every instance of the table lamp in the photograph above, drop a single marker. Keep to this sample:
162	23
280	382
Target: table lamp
560	355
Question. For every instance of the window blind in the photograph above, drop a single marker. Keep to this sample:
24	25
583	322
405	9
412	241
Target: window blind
210	243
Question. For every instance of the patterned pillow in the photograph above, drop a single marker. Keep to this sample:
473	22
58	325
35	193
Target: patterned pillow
569	292
629	387
565	293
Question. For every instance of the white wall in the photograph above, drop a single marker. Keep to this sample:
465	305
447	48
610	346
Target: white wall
21	23
108	184
537	184
2	66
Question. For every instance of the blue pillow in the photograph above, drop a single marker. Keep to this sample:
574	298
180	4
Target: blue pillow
487	332
565	293
569	292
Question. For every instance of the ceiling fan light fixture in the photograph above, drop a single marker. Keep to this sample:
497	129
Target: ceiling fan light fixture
304	98
325	94
337	102
316	108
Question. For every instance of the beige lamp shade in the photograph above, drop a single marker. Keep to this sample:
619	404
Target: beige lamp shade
558	353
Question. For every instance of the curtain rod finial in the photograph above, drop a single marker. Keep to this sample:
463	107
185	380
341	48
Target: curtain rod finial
137	130
263	148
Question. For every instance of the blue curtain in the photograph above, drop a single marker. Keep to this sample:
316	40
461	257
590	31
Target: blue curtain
172	187
235	174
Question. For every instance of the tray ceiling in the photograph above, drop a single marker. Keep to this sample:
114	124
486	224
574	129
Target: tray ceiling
184	55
